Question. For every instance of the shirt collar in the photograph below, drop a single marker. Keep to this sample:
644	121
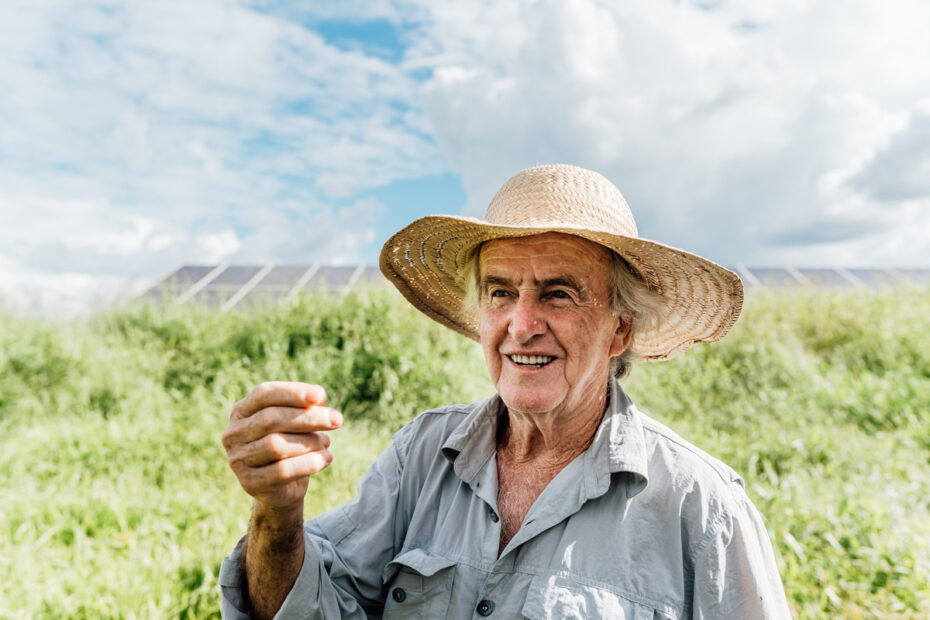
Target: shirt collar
470	446
620	441
618	446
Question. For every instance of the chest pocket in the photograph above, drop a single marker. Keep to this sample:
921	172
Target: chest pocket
419	585
554	598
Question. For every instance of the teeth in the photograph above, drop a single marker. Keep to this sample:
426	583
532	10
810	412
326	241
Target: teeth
532	360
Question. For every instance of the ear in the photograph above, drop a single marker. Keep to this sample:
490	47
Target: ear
621	337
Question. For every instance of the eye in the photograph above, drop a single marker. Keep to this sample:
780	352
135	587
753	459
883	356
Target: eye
498	292
560	294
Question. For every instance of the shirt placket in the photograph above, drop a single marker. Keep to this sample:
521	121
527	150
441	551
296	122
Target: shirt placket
557	503
484	485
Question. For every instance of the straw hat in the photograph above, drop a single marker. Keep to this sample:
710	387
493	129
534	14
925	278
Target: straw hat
424	260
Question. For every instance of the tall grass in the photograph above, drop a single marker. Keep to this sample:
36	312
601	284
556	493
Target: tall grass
116	499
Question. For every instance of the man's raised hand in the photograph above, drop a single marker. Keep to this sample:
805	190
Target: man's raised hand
275	441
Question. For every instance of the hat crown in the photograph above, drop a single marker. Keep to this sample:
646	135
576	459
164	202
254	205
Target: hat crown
562	196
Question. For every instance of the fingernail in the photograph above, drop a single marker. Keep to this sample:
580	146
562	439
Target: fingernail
335	419
315	396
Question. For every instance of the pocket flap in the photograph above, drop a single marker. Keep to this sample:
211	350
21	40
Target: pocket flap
552	597
419	561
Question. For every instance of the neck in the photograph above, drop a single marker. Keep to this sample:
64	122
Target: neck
547	440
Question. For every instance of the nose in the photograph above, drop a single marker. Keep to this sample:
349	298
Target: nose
526	321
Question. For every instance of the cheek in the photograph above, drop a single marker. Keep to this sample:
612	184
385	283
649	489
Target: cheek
490	324
587	335
488	339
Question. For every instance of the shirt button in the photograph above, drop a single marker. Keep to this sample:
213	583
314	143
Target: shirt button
493	515
485	607
399	595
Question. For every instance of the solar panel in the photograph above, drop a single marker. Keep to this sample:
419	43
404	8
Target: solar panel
371	275
181	279
916	276
827	278
239	286
283	276
235	275
176	283
213	296
331	277
773	277
874	277
192	273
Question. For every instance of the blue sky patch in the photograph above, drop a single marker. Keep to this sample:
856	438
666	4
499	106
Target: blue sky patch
379	38
409	199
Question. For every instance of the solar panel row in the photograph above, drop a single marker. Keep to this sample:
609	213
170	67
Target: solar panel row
229	286
775	277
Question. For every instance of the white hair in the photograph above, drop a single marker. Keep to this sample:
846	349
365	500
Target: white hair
632	301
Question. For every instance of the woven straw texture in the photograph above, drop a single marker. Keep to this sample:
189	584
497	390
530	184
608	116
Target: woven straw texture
425	260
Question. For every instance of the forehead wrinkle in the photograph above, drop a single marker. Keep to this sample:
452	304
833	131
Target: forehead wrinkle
548	259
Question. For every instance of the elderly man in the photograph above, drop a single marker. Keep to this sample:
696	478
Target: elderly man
555	498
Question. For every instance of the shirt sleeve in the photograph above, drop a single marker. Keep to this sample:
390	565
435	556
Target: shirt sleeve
735	575
345	552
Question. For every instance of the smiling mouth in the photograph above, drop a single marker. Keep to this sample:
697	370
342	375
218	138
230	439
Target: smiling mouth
536	361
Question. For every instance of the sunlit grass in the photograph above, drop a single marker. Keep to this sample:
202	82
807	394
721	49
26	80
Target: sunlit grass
117	501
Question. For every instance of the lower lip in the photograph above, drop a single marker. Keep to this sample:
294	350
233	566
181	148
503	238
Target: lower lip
529	368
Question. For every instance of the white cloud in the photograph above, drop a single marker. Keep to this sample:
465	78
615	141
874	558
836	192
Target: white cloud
296	235
146	134
92	237
735	129
140	135
62	295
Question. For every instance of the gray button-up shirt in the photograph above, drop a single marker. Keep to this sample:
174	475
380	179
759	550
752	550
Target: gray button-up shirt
640	525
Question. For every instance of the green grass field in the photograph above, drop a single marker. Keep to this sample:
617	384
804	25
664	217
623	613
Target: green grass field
117	501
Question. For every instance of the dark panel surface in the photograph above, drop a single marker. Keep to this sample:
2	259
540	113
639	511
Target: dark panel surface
331	277
768	276
284	276
917	276
236	274
824	277
874	277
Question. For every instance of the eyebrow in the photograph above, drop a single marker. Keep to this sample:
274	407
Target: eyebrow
566	281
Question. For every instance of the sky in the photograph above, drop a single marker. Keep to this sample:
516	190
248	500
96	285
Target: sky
137	136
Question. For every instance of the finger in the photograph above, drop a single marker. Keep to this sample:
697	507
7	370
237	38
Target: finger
266	480
289	420
279	393
280	446
278	420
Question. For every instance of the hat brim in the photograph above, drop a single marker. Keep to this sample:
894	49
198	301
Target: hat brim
702	300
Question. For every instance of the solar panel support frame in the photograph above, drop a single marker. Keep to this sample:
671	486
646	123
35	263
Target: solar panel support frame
748	276
896	275
246	288
799	277
353	279
200	284
850	277
301	282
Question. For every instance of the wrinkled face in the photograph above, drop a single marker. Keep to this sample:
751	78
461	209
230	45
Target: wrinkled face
546	328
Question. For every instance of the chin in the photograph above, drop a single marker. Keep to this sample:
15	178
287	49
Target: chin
529	403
